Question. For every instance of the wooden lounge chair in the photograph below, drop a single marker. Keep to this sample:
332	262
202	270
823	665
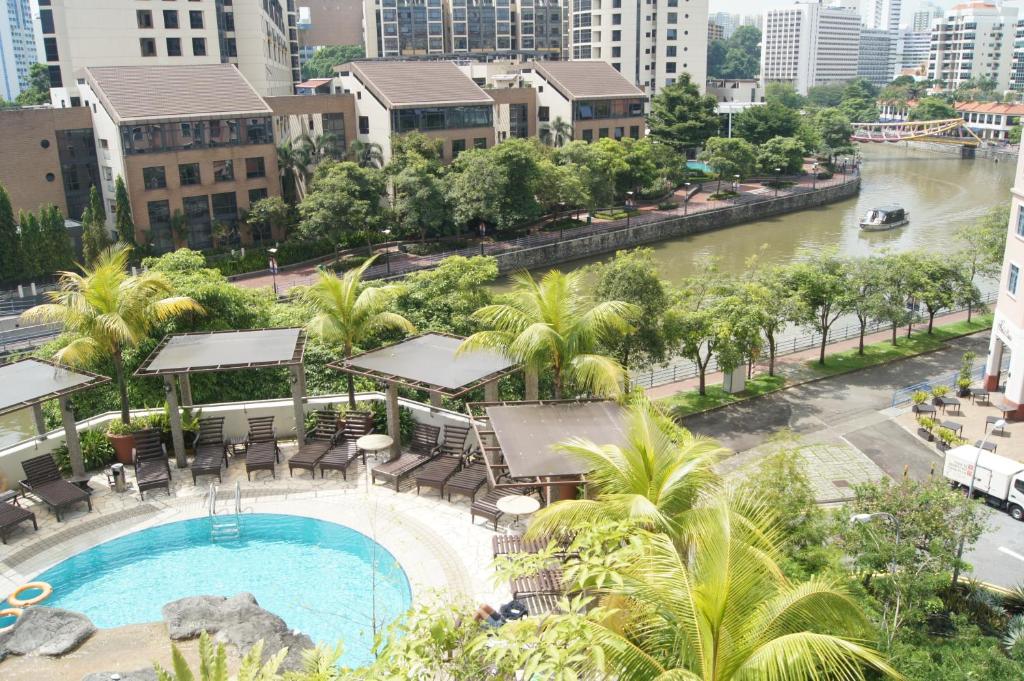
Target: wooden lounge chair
487	507
344	452
11	516
508	544
263	451
150	456
211	450
546	581
437	472
422	449
318	442
43	480
541	604
467	481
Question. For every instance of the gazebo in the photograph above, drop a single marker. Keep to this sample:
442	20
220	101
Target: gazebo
519	439
428	362
181	354
28	383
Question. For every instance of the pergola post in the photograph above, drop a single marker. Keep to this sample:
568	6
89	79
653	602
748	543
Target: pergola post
532	384
394	425
491	391
67	415
298	396
177	436
435	399
37	414
185	385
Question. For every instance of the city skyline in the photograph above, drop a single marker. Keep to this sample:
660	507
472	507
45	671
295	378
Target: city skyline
745	7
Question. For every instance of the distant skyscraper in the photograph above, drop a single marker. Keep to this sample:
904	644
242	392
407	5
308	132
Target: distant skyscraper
882	14
728	22
17	46
810	44
923	18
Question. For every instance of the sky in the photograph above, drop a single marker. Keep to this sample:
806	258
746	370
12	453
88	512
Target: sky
758	6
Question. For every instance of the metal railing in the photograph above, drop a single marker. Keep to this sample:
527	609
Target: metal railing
905	395
683	370
27	337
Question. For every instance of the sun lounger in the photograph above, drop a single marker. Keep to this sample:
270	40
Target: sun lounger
547	581
150	456
507	544
43	481
487	507
437	472
467	481
344	452
263	451
422	449
11	516
318	442
211	451
540	604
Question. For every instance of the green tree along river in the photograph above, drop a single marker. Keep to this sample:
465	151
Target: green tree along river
941	192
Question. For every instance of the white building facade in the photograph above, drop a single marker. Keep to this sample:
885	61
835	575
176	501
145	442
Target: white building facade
877	57
17	46
974	40
912	50
808	44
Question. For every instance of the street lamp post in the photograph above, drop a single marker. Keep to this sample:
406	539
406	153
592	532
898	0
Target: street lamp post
778	175
387	252
629	207
814	177
1000	424
561	222
861	518
686	198
272	264
736	187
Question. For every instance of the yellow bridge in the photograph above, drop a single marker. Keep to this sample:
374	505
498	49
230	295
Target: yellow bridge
946	131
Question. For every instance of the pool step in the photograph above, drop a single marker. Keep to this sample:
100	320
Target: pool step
225	527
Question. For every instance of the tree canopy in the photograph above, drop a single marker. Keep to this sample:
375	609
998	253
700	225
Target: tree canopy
681	116
323	61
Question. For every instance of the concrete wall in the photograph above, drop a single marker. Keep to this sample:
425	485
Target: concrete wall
682	225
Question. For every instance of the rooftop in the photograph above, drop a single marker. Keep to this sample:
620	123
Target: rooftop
414	83
31	381
138	93
223	350
585	79
991	107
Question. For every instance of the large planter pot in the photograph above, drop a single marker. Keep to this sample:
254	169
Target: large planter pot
926	434
123	446
941	446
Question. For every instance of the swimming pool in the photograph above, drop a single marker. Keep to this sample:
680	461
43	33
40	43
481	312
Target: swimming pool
318	576
699	165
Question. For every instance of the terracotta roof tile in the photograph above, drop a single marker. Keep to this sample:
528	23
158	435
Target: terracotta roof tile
411	83
586	79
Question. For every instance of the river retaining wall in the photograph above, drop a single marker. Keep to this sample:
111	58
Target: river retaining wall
996	152
670	228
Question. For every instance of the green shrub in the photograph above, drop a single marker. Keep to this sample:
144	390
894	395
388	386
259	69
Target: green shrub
919	397
119	427
667	205
97	452
380	420
720	196
940	390
613	214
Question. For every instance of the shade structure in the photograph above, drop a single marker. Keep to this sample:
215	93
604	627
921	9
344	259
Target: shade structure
181	354
430	362
28	383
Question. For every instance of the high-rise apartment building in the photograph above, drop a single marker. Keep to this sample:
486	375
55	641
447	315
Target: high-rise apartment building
808	44
728	22
925	17
974	40
17	46
882	14
912	49
715	31
876	58
259	36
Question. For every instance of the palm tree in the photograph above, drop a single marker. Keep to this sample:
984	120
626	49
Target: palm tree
293	162
557	132
654	479
347	312
105	310
551	324
318	148
723	611
366	154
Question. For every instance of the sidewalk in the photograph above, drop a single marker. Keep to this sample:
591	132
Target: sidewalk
794	366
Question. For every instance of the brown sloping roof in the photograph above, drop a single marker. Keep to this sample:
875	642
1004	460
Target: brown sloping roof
991	107
412	83
586	79
131	93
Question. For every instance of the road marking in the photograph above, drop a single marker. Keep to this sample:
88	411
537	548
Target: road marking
1012	554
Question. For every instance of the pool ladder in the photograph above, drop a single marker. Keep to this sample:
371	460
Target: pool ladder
224	525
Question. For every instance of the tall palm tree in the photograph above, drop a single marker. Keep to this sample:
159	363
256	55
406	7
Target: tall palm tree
557	132
293	162
366	154
654	479
723	611
551	324
105	310
321	147
347	312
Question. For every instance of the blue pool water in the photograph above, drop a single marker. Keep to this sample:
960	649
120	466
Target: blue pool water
324	579
698	165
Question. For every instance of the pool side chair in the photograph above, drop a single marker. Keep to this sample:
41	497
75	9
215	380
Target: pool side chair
211	450
263	451
422	449
344	452
152	470
467	481
318	442
11	516
43	481
438	471
487	507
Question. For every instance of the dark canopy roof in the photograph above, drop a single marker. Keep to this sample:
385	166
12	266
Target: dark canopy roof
183	353
31	381
527	434
429	362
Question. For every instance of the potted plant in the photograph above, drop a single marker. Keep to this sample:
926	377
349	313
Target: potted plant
966	371
925	426
122	437
919	397
963	387
938	392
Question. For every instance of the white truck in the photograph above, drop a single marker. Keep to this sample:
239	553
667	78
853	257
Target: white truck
999	479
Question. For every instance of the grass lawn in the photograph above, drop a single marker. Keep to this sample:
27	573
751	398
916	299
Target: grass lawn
885	351
690	402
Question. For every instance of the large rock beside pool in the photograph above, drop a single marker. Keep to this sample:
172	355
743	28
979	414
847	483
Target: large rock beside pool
238	620
46	631
141	675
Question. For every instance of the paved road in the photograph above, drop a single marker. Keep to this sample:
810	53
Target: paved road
998	557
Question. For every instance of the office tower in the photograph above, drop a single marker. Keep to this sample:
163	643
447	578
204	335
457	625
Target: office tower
808	44
17	46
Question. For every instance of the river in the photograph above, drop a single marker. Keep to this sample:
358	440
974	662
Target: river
941	192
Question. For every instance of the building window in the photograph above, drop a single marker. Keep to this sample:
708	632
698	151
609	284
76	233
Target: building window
364	125
225	208
1011	280
670	34
170	18
620	133
56	80
670	51
197	210
46	20
602	132
50	48
673	18
154	177
254	167
479	142
670	67
148	47
616	36
588	135
458	146
108	173
188	174
616	52
174	47
257	195
199	47
160	225
144	18
223	171
544	114
195	18
616	19
634	131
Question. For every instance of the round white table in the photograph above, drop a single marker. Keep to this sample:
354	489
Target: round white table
374	443
517	505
